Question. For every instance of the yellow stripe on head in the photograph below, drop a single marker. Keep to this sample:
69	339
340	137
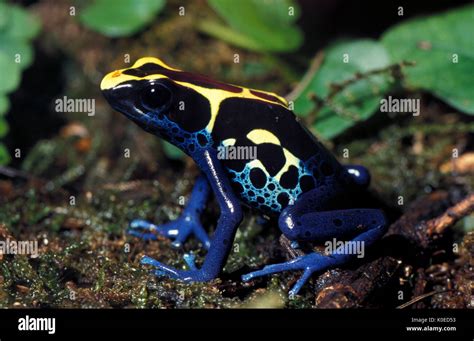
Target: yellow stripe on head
152	60
117	77
214	91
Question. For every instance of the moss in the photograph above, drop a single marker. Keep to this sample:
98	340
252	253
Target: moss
80	192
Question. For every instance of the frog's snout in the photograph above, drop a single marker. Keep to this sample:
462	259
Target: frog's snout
111	80
119	94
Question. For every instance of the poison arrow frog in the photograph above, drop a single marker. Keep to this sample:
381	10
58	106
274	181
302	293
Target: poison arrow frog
292	176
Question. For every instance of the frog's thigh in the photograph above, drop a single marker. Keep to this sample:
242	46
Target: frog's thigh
308	220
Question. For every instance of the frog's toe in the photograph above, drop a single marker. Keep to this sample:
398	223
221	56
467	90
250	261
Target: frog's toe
192	275
309	263
143	229
178	230
190	260
160	268
270	269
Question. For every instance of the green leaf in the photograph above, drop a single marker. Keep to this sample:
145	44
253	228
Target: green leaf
11	73
116	18
361	98
3	127
20	25
17	27
4	105
172	151
3	15
257	25
432	42
13	47
4	156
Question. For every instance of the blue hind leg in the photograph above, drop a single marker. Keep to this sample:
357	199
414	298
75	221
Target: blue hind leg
180	229
297	222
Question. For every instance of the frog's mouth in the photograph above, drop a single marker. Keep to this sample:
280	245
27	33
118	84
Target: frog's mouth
121	98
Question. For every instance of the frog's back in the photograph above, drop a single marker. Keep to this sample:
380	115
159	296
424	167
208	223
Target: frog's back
275	158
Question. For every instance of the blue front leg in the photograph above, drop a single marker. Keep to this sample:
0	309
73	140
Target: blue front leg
298	222
180	229
230	217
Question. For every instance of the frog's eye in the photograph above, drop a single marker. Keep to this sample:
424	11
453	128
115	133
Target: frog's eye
155	97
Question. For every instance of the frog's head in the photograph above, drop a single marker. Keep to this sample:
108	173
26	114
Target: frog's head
142	92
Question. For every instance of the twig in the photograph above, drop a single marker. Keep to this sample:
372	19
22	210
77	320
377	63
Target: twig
450	216
419	298
13	173
314	67
335	88
351	288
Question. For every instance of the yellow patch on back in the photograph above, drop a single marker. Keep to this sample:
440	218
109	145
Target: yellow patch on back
217	96
229	142
259	136
283	99
290	160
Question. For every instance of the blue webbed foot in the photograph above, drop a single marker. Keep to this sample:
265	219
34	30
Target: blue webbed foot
309	263
192	275
179	230
314	261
